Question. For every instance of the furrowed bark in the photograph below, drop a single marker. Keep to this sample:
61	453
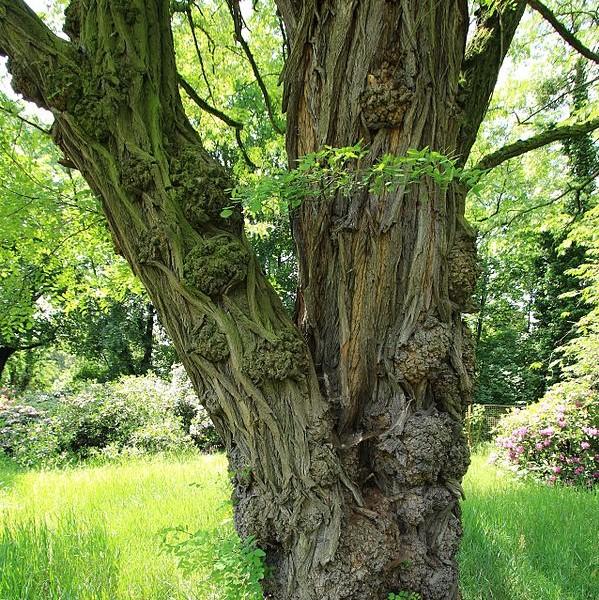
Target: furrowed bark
348	452
118	118
384	280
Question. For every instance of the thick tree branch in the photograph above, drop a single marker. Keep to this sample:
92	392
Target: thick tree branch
35	54
484	56
544	138
563	31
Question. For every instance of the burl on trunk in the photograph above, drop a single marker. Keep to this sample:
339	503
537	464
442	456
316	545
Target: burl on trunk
344	430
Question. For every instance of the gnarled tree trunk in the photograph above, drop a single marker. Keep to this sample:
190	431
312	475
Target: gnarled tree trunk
347	450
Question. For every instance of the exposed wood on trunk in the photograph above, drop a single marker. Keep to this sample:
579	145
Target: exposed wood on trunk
348	451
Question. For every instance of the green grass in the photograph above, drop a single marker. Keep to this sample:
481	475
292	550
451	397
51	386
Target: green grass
525	541
93	533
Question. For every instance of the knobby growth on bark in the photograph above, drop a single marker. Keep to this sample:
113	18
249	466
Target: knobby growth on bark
344	430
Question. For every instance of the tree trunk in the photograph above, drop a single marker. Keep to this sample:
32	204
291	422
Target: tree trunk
147	330
5	353
348	451
384	279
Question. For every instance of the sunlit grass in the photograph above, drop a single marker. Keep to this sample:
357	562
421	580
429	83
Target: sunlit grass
526	541
93	533
66	534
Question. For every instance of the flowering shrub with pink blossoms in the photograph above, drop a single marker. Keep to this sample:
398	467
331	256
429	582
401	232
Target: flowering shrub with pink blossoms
556	439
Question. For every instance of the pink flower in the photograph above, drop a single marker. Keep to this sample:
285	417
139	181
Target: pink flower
591	431
552	479
562	424
596	475
578	470
557	470
546	443
575	460
521	432
519	449
539	446
585	445
548	431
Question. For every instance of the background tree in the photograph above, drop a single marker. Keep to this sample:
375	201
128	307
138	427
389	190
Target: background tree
346	442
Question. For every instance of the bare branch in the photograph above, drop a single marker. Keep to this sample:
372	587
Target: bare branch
201	103
198	51
484	56
237	17
237	125
544	138
563	31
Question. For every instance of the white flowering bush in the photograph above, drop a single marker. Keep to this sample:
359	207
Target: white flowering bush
134	415
556	439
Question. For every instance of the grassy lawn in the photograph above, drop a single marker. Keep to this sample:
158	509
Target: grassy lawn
93	533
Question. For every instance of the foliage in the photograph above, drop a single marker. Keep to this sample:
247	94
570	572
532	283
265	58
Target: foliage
556	439
404	596
134	415
346	171
233	567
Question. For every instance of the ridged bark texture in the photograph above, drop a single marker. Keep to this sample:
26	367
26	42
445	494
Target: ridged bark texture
384	280
347	450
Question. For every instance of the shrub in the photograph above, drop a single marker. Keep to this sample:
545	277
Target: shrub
160	436
556	439
134	415
26	433
233	568
194	417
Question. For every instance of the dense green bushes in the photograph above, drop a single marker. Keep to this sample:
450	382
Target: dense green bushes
134	415
556	439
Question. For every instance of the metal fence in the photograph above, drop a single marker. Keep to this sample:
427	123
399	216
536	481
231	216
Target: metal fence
481	420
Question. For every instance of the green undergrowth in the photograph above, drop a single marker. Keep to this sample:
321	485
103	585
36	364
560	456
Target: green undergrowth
98	532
